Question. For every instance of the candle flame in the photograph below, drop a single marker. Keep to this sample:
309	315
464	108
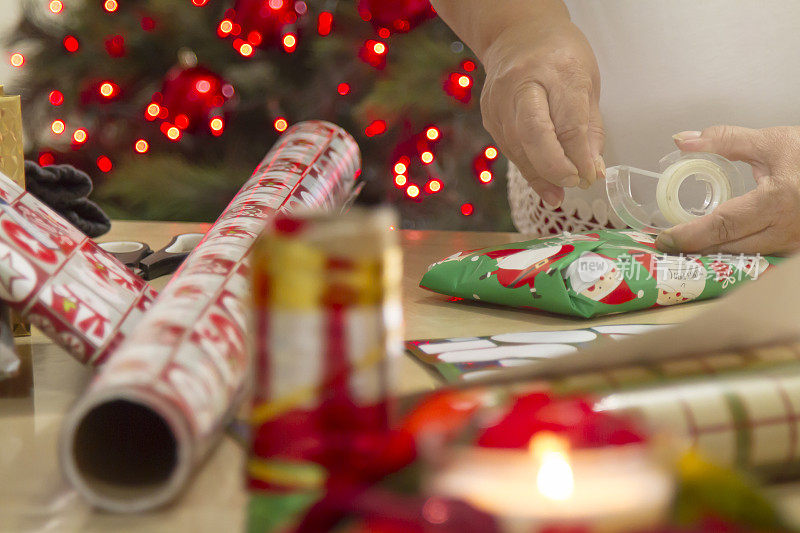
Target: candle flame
554	478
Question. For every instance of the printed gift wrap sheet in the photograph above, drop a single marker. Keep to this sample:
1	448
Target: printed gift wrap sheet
468	358
592	274
56	277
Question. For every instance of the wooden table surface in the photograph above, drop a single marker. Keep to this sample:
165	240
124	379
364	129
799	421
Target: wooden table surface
33	494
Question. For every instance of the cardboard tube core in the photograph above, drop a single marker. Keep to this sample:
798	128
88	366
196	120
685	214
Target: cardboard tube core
124	455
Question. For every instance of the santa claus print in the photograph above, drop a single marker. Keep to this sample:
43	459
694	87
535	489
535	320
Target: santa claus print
600	278
679	279
517	268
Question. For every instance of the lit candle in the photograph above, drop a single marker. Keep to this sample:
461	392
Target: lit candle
614	488
12	159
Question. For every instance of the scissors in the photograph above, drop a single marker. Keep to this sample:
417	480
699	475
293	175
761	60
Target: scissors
139	257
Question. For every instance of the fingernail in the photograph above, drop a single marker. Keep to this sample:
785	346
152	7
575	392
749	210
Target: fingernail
600	167
570	181
584	184
665	242
551	199
687	135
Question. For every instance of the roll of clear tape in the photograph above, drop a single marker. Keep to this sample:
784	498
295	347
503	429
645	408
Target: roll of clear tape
654	201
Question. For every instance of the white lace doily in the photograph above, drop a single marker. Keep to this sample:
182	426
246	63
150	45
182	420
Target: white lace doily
583	209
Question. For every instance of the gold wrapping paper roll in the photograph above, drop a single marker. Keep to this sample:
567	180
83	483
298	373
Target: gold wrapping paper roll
12	158
12	164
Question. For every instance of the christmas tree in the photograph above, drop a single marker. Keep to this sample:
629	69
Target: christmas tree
170	104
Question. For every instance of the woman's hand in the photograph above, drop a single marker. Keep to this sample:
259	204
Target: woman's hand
540	103
765	220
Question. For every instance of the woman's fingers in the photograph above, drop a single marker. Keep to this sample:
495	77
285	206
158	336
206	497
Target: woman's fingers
569	109
597	138
731	222
553	195
536	134
731	142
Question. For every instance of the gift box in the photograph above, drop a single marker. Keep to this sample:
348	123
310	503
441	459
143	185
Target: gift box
591	274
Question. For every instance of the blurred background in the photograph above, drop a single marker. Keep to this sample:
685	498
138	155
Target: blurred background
170	104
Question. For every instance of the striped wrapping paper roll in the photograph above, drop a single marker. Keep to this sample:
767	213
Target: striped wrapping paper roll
327	327
155	408
62	282
746	413
740	408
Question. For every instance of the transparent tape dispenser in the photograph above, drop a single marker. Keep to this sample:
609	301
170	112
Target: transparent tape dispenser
689	185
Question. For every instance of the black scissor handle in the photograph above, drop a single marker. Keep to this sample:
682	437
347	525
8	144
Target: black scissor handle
169	258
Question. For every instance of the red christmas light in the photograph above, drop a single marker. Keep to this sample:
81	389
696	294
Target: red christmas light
225	27
182	121
17	60
467	209
56	6
289	42
148	23
485	176
459	86
343	88
400	180
56	98
108	89
280	124
141	146
432	133
79	136
490	152
216	125
104	164
115	46
426	157
199	3
110	5
71	44
384	33
152	111
434	186
400	168
412	191
376	127
324	23
254	38
246	49
373	53
468	65
173	133
46	159
57	127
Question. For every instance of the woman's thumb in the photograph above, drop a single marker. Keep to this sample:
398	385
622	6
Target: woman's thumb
731	142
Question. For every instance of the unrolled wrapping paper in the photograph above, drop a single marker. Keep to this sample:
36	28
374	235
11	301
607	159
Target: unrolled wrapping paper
158	404
62	282
591	274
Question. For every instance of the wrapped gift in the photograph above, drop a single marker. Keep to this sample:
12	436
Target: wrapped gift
591	274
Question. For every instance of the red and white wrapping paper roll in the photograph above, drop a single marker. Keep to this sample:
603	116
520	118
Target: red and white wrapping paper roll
56	277
156	406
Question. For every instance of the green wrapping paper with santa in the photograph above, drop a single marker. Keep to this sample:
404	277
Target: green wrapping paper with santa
590	274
